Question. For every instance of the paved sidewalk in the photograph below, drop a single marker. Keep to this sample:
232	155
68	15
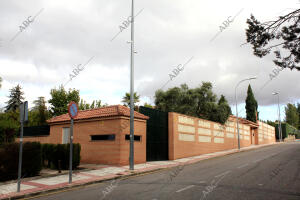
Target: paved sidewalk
38	186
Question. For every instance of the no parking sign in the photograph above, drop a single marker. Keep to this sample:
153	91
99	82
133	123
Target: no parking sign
73	109
73	112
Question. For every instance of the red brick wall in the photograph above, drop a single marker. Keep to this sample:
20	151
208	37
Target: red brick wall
186	139
102	152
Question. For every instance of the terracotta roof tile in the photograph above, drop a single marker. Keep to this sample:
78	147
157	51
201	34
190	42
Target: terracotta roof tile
108	111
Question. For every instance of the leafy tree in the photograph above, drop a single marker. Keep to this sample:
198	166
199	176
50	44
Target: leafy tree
86	106
39	114
148	105
280	36
126	99
271	123
60	99
223	110
291	115
15	99
199	102
9	126
251	105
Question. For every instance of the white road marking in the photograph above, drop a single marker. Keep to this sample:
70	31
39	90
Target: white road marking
242	166
188	187
202	182
223	174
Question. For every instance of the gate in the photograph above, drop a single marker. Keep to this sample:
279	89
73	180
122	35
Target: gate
157	134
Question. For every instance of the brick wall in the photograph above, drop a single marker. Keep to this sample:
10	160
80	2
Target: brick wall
102	152
191	136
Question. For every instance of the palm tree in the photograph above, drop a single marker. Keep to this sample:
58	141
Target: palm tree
126	99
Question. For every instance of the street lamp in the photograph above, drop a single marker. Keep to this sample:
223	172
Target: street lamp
279	120
131	147
236	109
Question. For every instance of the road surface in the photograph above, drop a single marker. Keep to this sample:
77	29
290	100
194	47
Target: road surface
268	173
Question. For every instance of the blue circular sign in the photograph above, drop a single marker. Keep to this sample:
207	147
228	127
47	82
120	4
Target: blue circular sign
73	109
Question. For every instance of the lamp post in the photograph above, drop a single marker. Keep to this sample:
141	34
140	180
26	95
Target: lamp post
131	153
279	119
236	109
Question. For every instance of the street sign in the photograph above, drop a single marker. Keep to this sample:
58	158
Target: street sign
73	109
24	112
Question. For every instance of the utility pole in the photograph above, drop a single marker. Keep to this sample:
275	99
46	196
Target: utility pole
131	153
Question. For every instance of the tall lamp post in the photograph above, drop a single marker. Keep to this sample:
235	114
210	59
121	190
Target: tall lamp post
131	153
236	109
279	119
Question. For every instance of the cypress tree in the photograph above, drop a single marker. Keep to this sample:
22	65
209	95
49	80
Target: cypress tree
251	105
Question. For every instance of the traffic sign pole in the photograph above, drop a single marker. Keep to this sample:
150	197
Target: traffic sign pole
73	112
23	118
71	151
20	157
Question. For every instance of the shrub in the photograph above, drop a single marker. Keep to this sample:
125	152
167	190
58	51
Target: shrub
32	158
31	162
53	153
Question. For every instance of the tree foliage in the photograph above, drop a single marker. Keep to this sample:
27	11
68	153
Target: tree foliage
271	123
280	36
298	110
126	99
15	99
39	114
9	126
60	99
291	115
86	106
148	105
199	102
251	105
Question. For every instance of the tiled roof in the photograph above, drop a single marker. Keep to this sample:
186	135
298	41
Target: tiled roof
108	111
245	121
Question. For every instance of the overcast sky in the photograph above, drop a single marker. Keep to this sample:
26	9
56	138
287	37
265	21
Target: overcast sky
66	33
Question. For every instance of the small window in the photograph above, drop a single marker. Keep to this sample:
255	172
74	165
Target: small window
103	137
136	137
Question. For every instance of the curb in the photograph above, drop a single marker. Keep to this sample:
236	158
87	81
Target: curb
131	174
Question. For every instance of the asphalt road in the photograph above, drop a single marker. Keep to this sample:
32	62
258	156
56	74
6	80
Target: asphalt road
271	172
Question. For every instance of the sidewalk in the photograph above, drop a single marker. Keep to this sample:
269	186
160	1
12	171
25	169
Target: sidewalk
102	173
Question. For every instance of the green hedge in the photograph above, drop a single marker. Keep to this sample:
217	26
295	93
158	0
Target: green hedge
31	163
52	153
287	129
35	155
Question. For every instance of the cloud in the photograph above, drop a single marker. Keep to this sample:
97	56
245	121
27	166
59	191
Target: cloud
167	33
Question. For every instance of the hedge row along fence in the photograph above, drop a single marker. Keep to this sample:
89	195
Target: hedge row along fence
56	156
35	157
287	129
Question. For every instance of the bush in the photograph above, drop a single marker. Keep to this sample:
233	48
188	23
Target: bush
31	162
53	153
32	158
